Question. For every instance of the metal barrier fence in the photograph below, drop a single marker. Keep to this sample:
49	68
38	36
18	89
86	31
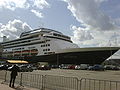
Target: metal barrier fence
32	80
50	82
60	83
95	84
3	74
7	77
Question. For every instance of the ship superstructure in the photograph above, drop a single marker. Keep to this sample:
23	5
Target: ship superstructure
37	42
51	46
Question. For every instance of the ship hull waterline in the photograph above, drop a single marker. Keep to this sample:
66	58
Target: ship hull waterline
87	57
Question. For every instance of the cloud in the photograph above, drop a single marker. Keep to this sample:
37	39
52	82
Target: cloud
13	29
92	38
37	13
32	5
40	4
13	4
89	14
96	28
117	21
0	24
81	35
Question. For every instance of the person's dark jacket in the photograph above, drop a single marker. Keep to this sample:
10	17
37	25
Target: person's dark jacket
14	70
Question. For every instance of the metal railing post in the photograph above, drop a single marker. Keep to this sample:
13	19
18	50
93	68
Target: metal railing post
21	79
43	82
5	76
77	83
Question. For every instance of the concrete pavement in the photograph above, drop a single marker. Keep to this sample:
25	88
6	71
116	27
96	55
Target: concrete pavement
5	86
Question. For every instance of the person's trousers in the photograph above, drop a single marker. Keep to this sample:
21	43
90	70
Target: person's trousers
12	81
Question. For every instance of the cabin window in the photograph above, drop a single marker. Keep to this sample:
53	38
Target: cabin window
45	45
48	49
45	53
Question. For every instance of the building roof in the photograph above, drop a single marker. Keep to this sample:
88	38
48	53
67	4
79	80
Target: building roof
17	61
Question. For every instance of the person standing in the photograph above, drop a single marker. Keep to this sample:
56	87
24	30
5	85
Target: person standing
14	73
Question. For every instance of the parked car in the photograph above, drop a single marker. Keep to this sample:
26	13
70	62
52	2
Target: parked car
64	66
32	67
10	68
116	68
54	66
71	67
4	67
111	67
97	68
25	68
77	67
44	67
90	68
108	67
83	66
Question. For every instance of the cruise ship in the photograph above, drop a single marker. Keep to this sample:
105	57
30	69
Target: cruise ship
47	45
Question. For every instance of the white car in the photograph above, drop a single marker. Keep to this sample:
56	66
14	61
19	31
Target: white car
77	67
